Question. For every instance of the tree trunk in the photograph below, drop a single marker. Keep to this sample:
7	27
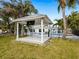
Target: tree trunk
64	23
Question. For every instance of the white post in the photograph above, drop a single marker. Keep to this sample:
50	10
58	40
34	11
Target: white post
41	30
17	34
49	28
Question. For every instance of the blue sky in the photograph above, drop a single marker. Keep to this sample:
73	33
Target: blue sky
49	7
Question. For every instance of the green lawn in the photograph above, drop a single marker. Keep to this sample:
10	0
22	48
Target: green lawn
55	49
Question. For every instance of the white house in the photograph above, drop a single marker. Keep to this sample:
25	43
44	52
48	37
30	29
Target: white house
36	26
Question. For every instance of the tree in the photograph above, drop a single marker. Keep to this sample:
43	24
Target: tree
62	5
73	19
73	22
71	3
59	22
16	9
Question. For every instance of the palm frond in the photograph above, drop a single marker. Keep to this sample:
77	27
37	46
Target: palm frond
59	6
71	3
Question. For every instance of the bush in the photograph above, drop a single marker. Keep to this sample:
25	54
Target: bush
75	32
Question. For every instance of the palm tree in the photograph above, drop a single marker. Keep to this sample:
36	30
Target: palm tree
17	8
71	3
59	23
62	5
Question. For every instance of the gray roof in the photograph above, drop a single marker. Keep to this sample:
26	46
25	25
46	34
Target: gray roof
33	17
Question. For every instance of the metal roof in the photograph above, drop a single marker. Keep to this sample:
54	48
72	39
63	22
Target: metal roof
33	17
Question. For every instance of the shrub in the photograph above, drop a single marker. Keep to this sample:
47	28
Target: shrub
75	32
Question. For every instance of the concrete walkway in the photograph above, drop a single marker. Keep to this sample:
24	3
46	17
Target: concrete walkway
73	37
32	39
68	36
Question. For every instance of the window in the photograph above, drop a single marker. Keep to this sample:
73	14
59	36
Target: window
43	30
40	30
30	30
30	23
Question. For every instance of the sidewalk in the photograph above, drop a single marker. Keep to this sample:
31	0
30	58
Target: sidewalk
68	36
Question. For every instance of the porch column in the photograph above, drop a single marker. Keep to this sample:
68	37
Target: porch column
17	32
22	30
41	30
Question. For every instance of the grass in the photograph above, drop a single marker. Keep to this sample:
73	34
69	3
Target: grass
56	49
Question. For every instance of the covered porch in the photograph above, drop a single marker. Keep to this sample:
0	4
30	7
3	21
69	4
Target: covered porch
41	20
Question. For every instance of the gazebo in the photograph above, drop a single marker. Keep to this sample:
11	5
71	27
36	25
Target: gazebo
38	19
